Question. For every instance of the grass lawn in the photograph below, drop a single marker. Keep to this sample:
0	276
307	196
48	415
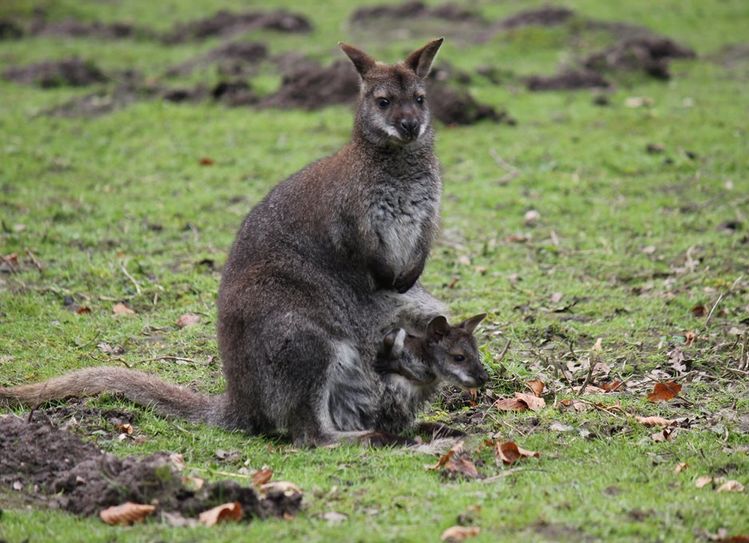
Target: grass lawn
646	250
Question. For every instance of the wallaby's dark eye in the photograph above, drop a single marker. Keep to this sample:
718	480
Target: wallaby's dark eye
459	357
420	99
383	103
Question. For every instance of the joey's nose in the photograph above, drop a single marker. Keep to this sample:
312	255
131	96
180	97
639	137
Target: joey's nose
409	128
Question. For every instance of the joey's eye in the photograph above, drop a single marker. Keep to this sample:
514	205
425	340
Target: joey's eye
420	99
459	357
383	103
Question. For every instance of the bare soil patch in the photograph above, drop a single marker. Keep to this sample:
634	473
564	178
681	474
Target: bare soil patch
74	28
72	72
568	80
226	23
647	54
415	10
58	469
235	59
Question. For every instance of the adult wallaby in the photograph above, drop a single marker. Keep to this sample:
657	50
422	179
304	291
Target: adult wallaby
312	273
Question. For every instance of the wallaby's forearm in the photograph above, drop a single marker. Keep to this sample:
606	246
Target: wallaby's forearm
138	387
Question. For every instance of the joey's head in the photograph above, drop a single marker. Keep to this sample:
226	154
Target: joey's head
454	352
393	106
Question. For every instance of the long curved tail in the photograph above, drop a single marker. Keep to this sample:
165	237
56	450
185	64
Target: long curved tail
138	387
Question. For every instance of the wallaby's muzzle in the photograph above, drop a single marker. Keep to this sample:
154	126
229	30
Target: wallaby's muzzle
409	129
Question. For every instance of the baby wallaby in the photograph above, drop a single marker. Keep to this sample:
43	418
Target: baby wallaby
414	366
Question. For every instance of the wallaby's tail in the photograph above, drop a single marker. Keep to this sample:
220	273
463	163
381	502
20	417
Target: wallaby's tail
138	387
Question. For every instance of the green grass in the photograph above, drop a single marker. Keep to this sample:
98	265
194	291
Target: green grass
89	197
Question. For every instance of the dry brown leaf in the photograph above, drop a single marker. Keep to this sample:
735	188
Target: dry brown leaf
536	386
459	533
598	345
221	513
663	392
262	476
127	513
509	453
206	161
613	386
125	428
655	421
192	483
703	480
188	319
689	338
510	404
699	310
534	403
574	405
281	487
122	309
681	466
83	310
731	486
591	389
663	435
458	447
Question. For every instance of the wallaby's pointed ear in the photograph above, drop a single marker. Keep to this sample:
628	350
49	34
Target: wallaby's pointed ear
394	342
362	61
420	61
438	328
469	325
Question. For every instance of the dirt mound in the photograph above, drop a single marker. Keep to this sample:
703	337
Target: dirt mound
56	73
57	468
649	54
455	106
732	55
9	30
545	16
310	86
415	10
224	23
234	59
79	29
568	80
230	93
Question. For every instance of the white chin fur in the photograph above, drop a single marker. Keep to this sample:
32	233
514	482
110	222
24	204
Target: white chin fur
392	132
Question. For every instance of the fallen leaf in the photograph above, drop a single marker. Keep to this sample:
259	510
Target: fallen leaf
227	456
531	217
703	480
613	386
458	447
281	487
649	250
655	421
193	483
735	539
83	310
122	309
663	435
508	452
689	338
699	310
188	319
598	346
459	533
206	161
510	404
221	513
534	403
125	428
638	101
559	427
456	462
664	391
176	520
178	461
127	513
681	466
262	476
536	386
731	486
574	405
464	260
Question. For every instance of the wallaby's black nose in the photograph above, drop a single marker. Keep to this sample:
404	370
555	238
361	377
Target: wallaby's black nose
409	128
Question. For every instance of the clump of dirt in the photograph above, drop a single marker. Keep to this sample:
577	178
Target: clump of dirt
568	80
455	106
235	59
414	10
732	55
232	93
9	30
56	73
56	468
544	16
225	23
80	29
310	86
649	54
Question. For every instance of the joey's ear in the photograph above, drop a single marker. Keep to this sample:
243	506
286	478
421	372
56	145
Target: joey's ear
420	61
469	325
362	61
437	328
394	342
